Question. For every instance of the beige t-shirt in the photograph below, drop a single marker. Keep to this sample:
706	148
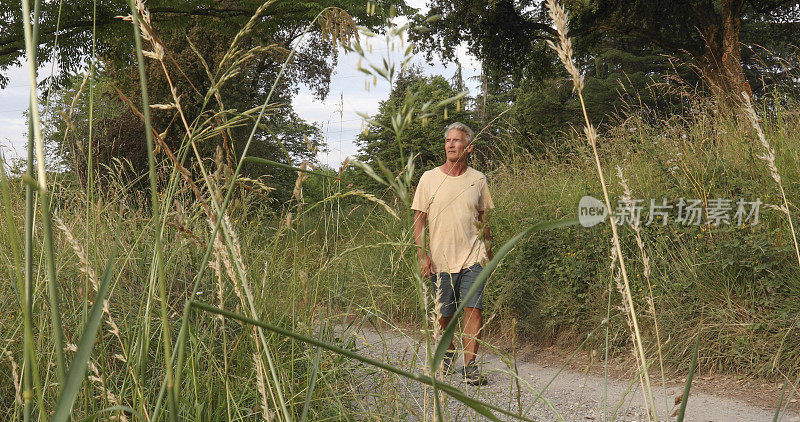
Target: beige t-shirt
452	204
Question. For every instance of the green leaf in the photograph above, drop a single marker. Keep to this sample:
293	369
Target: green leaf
313	381
689	377
370	172
433	18
383	72
776	416
451	99
11	229
385	170
77	370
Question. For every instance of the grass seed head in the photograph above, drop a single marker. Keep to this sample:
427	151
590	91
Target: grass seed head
564	46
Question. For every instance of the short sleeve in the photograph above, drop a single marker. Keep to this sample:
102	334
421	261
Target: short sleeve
485	202
421	196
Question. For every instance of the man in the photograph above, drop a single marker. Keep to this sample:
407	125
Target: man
450	201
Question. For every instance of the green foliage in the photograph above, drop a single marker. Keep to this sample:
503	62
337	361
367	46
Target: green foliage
196	36
424	136
507	36
214	22
619	46
112	123
561	269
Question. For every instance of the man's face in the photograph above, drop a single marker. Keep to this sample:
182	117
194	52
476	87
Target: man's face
455	145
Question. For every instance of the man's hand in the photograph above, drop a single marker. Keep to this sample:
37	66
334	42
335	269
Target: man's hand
425	262
426	265
486	235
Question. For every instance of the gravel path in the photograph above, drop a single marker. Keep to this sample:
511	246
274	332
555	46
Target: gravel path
572	395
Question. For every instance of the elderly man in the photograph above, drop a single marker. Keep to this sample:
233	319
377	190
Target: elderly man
450	201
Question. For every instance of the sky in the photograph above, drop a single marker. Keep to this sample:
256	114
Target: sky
337	115
13	103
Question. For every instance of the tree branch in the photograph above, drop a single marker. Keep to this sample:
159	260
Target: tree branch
536	26
214	12
633	32
14	42
769	8
737	8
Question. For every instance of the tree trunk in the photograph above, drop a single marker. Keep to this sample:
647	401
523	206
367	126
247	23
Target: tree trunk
721	58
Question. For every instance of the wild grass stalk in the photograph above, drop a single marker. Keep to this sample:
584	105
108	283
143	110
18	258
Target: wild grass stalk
36	143
637	231
30	376
157	266
689	378
229	190
769	159
605	353
230	236
88	271
481	407
564	50
616	275
768	156
77	369
90	182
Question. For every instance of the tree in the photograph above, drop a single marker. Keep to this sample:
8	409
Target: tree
424	136
72	23
709	32
524	80
196	36
507	34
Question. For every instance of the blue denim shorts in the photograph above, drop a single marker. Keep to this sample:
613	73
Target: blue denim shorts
454	286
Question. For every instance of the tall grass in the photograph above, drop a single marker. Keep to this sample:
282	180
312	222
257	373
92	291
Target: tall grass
178	355
564	50
251	303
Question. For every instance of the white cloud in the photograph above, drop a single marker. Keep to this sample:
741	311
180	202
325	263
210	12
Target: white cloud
349	95
12	137
14	101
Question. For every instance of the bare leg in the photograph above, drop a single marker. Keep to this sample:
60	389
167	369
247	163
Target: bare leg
473	320
443	321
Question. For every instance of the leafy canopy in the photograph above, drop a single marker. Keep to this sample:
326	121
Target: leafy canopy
423	137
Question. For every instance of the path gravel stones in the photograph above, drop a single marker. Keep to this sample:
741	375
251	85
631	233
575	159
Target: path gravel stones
571	396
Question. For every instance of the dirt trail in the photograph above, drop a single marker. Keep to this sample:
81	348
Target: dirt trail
572	395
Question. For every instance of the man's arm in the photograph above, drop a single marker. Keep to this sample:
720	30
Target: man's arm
420	223
487	236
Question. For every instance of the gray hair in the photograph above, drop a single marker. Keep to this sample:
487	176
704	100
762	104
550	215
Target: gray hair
462	127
